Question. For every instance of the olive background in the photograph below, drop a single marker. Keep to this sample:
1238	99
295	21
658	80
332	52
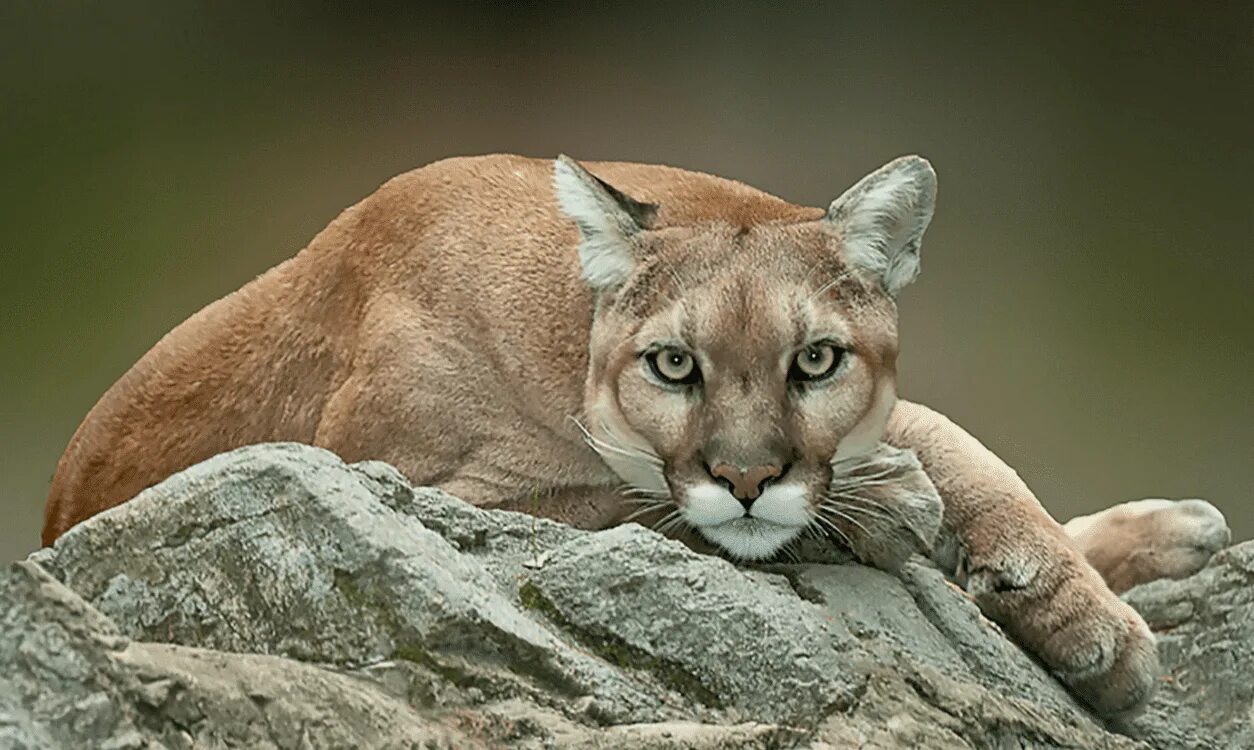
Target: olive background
1085	306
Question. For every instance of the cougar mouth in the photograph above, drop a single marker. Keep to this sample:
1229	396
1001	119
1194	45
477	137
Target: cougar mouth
750	538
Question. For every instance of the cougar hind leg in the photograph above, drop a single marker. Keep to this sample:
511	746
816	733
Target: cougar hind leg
1144	540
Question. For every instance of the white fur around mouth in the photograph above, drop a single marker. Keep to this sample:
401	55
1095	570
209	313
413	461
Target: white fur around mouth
750	538
778	516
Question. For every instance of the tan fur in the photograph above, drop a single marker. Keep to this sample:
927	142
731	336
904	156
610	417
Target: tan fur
1144	540
1023	572
442	325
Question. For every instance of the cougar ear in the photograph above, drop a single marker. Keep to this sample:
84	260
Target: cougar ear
607	219
882	218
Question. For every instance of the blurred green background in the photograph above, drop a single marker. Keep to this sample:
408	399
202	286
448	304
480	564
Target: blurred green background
1085	307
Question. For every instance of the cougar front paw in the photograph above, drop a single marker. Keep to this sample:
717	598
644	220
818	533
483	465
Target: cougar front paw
1058	608
1144	540
1109	660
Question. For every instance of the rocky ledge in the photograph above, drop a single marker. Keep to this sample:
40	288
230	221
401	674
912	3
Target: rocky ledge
275	597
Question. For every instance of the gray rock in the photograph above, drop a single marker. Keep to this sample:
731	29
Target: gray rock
1205	630
276	597
72	680
284	550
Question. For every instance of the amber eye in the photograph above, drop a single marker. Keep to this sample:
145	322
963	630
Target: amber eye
673	366
816	362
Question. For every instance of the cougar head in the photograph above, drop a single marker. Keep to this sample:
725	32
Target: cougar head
737	372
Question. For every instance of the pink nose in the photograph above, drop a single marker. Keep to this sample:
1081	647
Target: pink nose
747	484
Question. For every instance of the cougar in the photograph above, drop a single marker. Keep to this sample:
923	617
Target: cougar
609	342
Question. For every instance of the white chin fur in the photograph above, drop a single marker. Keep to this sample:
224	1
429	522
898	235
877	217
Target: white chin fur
750	538
774	518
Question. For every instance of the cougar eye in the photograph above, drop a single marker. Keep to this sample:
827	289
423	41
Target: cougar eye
673	366
815	362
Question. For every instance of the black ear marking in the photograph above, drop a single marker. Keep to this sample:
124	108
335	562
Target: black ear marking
608	222
640	212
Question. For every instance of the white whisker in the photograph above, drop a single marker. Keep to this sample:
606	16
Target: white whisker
651	508
847	474
673	520
810	273
644	492
853	484
847	509
836	280
838	512
675	278
812	528
827	523
847	498
600	445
